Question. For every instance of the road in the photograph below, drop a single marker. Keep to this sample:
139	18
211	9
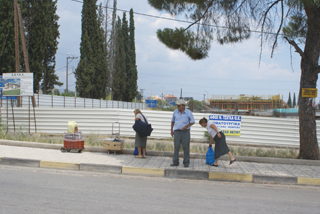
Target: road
35	190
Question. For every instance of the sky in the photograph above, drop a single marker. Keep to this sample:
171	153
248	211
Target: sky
231	69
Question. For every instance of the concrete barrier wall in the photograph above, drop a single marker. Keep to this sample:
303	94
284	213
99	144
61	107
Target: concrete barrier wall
254	130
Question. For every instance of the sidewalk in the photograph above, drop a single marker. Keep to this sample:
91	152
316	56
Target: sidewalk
160	166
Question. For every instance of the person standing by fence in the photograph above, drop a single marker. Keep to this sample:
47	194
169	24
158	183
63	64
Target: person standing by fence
182	120
140	141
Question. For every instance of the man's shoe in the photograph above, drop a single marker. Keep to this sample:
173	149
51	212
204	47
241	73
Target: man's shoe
185	165
173	164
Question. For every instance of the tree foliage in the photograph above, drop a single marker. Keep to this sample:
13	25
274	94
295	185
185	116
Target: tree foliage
133	74
7	58
119	76
294	102
231	21
41	28
42	33
289	102
92	72
125	75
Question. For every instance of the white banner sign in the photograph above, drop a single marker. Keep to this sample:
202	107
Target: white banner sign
228	124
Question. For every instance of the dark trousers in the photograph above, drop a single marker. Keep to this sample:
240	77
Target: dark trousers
181	137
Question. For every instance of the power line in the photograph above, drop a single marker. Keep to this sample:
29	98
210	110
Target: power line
60	68
183	21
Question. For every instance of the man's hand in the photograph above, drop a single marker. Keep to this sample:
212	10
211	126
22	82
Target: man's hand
171	132
185	128
210	144
219	135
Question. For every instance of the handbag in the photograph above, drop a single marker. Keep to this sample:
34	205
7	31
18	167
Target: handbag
210	159
142	128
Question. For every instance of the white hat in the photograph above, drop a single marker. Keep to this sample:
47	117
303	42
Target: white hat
180	102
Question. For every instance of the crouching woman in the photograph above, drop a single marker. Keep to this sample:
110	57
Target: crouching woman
221	147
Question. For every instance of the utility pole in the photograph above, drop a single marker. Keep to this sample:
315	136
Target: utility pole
16	36
24	48
141	92
69	57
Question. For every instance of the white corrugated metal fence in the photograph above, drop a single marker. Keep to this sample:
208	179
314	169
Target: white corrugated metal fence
254	130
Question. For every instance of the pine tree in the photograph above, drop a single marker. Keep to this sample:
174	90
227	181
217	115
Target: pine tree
298	22
7	58
289	101
294	103
119	81
42	33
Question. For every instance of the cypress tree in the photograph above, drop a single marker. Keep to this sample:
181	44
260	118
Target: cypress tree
92	72
42	33
133	68
100	56
289	101
85	69
294	103
111	52
7	58
127	52
119	80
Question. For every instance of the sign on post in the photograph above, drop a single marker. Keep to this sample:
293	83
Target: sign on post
229	125
151	103
4	97
309	92
17	84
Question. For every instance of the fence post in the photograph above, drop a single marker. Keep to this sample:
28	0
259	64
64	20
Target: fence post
75	101
92	103
52	100
84	102
38	99
64	101
100	103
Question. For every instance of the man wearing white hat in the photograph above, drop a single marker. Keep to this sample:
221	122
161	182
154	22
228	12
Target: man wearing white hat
182	120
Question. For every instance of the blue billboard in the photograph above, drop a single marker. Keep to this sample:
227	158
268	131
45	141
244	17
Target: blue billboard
151	103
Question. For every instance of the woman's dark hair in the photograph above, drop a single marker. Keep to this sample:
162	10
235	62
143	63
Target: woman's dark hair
203	120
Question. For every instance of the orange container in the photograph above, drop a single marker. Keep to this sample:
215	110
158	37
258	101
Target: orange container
73	144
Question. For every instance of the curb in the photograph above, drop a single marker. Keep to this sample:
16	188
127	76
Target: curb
168	154
143	171
168	173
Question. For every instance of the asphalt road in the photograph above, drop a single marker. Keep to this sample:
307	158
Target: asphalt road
35	190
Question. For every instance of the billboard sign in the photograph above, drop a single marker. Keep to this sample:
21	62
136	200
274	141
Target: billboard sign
17	84
228	124
151	103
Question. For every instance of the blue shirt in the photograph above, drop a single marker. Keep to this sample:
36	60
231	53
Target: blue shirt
181	120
